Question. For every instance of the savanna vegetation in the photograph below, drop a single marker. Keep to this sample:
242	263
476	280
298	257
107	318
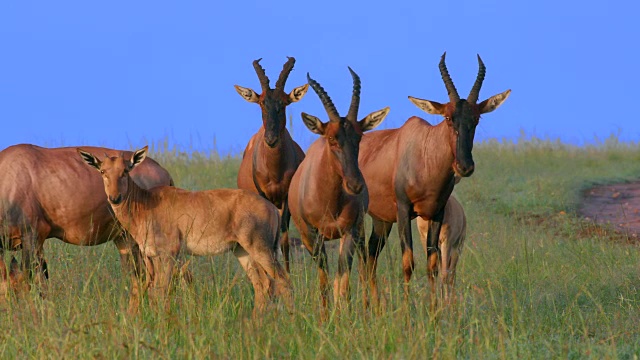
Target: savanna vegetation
535	281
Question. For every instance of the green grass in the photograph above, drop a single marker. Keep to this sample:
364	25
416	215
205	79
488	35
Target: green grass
534	281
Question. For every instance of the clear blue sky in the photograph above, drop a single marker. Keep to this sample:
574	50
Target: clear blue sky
124	73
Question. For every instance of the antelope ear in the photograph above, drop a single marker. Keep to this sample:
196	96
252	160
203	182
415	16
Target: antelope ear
313	123
247	94
89	158
374	119
296	94
431	107
138	156
493	102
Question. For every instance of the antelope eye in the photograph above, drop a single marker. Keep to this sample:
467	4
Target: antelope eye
102	172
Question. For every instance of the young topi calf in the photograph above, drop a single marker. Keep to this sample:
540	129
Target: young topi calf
167	221
452	235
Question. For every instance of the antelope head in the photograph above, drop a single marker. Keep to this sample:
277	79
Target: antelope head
115	172
342	135
273	101
462	116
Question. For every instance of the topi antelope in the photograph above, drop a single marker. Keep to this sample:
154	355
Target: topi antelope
328	195
272	156
167	221
452	235
410	171
49	192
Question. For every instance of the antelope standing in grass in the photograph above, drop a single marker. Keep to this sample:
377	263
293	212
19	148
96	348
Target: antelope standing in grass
328	196
452	235
272	156
410	171
167	221
50	192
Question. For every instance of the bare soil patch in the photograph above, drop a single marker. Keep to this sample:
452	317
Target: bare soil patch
616	205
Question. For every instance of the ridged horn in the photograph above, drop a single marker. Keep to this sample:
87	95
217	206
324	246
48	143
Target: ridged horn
284	74
325	99
355	98
262	76
451	89
475	90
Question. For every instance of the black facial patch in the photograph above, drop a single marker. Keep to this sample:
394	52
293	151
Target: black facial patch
349	129
274	115
464	117
348	139
464	123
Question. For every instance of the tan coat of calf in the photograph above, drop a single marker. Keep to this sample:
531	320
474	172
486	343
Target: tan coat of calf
452	235
166	221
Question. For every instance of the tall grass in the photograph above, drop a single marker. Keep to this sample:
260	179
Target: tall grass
535	281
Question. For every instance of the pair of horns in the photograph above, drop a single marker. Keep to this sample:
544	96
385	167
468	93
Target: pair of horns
284	74
352	115
451	89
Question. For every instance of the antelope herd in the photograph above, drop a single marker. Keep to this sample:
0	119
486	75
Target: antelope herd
90	195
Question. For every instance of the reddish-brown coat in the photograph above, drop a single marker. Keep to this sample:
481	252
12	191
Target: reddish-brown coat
272	156
328	196
410	170
50	192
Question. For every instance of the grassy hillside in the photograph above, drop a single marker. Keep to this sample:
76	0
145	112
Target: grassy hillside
534	281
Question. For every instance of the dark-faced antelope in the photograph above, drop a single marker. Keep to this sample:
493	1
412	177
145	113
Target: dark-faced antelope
410	170
272	156
50	192
452	235
328	196
165	221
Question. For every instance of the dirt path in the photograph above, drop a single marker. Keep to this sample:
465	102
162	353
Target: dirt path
616	205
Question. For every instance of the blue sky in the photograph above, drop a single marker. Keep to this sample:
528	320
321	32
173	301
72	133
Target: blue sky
124	73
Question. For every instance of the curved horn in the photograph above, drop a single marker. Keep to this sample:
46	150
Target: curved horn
284	74
475	90
264	80
326	100
355	98
451	89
